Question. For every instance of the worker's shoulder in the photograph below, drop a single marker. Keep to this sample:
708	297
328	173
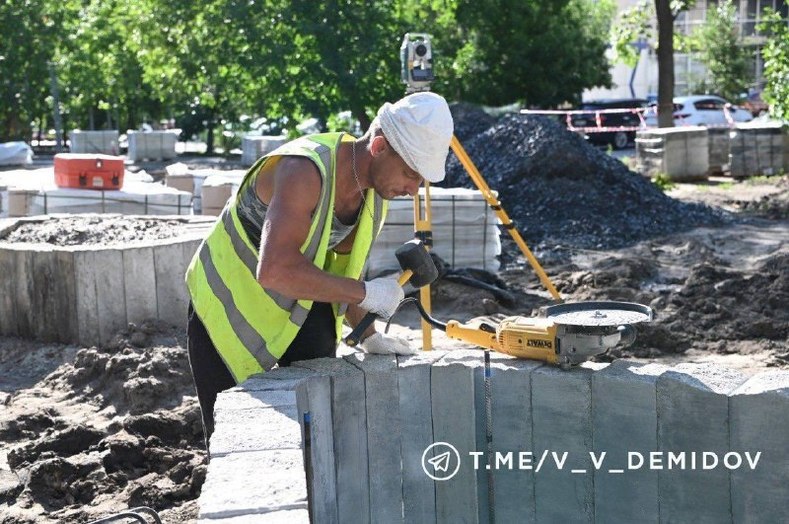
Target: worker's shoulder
298	169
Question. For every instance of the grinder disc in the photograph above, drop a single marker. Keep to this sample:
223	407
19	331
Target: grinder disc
603	313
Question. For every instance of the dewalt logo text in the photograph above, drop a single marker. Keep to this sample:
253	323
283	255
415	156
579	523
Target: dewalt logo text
537	343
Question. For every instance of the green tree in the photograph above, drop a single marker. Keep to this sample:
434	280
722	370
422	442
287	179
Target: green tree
637	22
100	76
28	28
497	50
193	56
719	44
330	56
776	64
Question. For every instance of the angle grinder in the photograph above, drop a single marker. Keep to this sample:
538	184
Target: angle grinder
565	334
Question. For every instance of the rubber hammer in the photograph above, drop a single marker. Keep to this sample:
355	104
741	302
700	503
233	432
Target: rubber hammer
418	269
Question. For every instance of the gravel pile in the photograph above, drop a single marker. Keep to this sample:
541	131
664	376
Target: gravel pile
563	192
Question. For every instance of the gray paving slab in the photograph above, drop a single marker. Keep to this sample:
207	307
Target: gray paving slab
87	297
313	396
139	280
512	435
171	294
235	399
110	299
624	415
254	482
416	427
255	429
562	440
693	416
759	421
23	278
8	323
383	435
455	423
349	423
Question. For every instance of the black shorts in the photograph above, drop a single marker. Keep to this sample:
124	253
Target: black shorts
315	339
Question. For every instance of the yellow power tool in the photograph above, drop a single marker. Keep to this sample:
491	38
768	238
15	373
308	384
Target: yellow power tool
565	334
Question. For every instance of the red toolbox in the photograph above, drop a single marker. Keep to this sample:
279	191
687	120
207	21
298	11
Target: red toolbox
88	171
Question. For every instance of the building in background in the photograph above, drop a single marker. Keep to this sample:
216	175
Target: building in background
689	72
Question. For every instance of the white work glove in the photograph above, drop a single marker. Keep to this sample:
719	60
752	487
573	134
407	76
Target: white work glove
380	344
382	296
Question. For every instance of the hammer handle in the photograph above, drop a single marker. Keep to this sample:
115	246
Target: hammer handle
353	339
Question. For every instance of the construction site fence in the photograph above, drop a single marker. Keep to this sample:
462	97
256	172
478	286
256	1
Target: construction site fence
640	112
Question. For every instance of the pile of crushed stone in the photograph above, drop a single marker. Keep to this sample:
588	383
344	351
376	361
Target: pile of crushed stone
564	193
105	230
111	429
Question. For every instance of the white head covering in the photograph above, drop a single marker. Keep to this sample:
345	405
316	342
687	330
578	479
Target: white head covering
419	127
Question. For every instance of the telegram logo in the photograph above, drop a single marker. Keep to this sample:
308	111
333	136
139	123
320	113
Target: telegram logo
441	461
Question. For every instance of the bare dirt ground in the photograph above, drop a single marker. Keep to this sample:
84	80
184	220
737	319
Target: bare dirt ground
719	294
85	432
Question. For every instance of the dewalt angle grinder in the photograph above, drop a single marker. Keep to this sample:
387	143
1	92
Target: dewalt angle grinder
565	334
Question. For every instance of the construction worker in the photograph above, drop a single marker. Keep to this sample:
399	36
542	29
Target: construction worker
280	270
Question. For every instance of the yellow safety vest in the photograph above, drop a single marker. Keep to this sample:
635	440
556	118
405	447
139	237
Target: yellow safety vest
251	327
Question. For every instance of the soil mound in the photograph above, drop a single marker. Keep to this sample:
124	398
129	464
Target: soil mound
114	428
563	192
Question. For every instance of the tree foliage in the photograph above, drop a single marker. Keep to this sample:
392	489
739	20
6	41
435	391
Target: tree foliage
539	53
27	30
776	64
721	49
209	63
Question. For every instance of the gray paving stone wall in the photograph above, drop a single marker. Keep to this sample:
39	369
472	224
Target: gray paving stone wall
625	442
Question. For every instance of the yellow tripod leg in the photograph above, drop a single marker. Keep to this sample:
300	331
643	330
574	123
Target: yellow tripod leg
422	228
494	203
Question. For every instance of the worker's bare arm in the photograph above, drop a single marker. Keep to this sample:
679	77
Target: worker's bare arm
282	266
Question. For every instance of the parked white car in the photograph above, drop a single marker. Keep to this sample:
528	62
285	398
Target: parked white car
701	110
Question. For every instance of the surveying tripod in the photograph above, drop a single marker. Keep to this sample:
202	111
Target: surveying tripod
416	59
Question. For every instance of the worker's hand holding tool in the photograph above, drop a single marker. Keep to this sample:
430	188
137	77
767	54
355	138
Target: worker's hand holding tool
382	296
381	344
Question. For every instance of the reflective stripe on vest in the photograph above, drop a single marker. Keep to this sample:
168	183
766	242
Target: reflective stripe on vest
250	326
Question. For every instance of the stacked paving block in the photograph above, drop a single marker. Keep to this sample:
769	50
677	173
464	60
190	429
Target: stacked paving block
151	145
221	184
758	149
255	146
102	142
465	231
217	189
680	153
718	149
